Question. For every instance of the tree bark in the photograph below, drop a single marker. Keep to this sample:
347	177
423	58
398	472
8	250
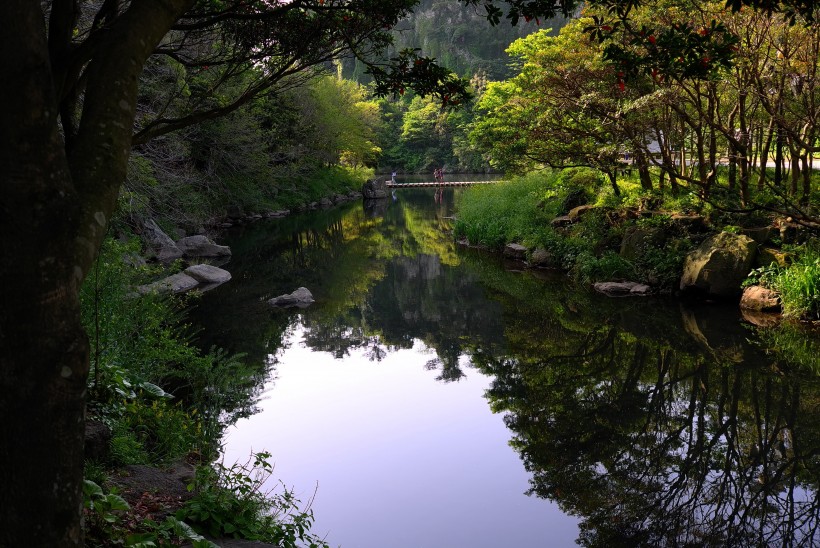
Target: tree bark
55	211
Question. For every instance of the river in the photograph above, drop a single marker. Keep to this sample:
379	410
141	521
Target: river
436	396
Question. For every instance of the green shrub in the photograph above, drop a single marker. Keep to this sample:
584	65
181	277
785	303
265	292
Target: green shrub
234	501
608	267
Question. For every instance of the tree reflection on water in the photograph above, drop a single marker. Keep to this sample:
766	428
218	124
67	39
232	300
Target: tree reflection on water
652	446
656	424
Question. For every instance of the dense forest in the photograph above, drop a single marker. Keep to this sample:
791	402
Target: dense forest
315	133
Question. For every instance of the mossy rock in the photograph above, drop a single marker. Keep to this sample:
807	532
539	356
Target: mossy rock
719	265
638	239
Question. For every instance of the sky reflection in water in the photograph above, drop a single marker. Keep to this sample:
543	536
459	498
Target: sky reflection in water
400	459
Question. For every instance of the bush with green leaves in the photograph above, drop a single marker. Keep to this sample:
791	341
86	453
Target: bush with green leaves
236	501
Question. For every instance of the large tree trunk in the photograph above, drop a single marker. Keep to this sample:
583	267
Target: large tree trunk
54	210
44	350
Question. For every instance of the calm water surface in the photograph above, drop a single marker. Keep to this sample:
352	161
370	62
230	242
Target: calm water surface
441	398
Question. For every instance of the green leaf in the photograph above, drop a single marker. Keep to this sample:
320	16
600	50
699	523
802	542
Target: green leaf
154	390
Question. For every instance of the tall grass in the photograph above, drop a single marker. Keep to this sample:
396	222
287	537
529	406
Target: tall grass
799	286
510	211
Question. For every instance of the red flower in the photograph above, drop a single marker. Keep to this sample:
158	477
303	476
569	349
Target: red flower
651	39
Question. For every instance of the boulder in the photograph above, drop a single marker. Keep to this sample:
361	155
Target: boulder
177	283
638	239
768	255
719	265
623	289
760	299
97	441
201	246
162	246
207	274
300	298
542	258
325	203
515	251
375	189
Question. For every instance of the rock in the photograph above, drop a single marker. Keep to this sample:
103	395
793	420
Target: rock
638	239
201	246
542	258
515	251
375	189
719	265
576	213
623	289
325	203
300	298
573	199
689	223
97	441
563	220
162	246
177	283
279	213
768	255
760	235
207	274
760	299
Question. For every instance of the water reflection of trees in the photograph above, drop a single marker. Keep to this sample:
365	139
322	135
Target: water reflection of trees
654	446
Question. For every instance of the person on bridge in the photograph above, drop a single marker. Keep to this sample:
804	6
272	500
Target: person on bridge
393	178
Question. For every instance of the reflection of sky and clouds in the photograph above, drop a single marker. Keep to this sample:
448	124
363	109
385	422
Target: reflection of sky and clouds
654	422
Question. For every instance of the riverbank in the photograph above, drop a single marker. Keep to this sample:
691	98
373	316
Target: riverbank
569	221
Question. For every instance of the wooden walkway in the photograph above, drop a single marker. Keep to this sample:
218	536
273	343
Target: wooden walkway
391	184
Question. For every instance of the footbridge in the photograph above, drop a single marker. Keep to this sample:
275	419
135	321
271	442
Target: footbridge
437	184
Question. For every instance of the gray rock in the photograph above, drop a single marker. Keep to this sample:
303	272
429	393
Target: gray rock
300	298
760	299
542	258
375	188
207	274
325	203
719	265
162	246
201	246
515	251
639	239
177	283
623	289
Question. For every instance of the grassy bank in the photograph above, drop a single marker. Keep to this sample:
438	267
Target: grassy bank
528	210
